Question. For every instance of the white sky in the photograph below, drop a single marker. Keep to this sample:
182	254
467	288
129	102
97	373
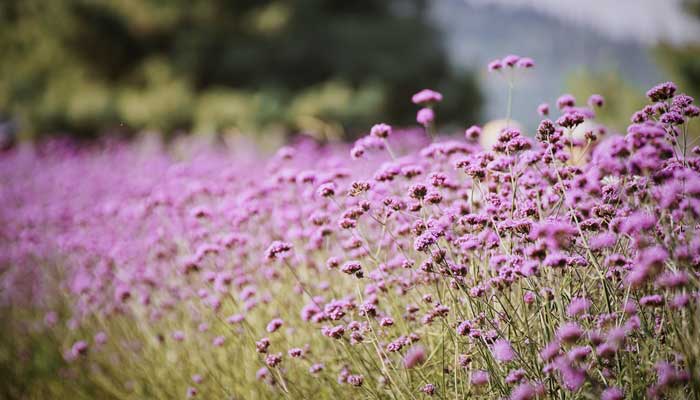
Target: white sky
643	21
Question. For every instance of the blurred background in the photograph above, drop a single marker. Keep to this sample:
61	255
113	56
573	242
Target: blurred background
88	68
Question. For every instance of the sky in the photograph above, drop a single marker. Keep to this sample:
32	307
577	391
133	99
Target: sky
644	21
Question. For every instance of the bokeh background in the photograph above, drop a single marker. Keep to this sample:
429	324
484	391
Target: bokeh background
89	68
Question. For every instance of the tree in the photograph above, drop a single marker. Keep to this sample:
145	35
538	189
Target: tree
82	66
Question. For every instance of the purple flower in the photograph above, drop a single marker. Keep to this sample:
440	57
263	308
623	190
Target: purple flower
414	357
100	338
662	91
274	325
572	377
578	306
277	249
79	348
356	380
315	368
178	336
428	389
550	351
680	301
502	351
473	132
569	332
425	116
327	189
273	360
351	267
424	241
262	373
262	345
381	131
612	393
525	62
295	352
566	100
218	341
426	96
652	301
571	119
596	100
510	60
579	353
526	391
543	109
672	118
515	376
480	378
495	65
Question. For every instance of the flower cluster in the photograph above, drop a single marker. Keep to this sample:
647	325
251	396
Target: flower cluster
542	267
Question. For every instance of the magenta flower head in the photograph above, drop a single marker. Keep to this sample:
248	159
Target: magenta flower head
473	132
662	91
525	62
428	389
569	332
351	267
612	393
414	357
502	351
572	377
543	109
526	391
100	338
262	373
550	351
381	131
327	189
79	348
578	306
274	325
571	119
426	96
277	249
262	345
425	116
295	352
672	118
566	100
315	368
480	378
510	60
356	380
495	65
596	100
273	360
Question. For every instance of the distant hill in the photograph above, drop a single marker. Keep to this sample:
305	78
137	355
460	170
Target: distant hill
475	34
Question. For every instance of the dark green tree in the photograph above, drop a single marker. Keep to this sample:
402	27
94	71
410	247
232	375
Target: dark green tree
83	66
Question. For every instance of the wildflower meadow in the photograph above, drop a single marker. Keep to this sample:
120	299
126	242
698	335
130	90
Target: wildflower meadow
557	264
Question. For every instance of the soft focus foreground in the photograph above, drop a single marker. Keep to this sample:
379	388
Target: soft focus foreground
558	267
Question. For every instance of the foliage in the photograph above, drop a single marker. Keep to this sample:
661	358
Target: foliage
83	66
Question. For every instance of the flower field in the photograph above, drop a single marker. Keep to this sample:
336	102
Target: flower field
405	266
